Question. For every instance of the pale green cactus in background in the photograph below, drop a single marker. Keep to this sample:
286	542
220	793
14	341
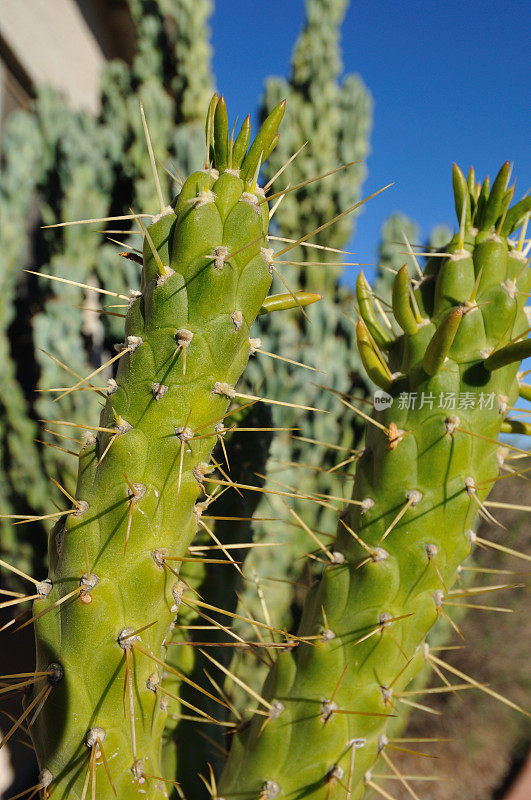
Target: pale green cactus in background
83	167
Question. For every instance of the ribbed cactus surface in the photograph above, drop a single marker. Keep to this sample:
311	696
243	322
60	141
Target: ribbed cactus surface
111	596
430	458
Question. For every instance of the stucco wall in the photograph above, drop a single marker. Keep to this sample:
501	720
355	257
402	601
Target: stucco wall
53	44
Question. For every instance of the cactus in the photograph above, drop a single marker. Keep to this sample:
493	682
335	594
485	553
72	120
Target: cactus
20	468
110	590
110	598
83	166
424	474
483	744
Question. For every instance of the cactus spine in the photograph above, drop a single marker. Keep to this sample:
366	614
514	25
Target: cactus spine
425	472
103	614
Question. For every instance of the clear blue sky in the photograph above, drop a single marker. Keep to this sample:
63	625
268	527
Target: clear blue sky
450	81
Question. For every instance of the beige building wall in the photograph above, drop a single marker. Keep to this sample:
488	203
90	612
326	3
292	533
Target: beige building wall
63	43
54	45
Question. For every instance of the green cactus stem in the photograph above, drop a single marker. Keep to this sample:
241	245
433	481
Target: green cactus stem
104	612
430	459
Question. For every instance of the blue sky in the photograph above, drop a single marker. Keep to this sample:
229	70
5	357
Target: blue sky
450	81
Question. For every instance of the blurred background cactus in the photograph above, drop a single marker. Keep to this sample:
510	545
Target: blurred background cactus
80	166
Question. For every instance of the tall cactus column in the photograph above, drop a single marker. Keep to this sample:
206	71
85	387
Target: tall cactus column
108	604
431	456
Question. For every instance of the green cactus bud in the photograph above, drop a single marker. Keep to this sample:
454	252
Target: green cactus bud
441	342
510	354
263	141
367	313
221	135
242	143
461	195
372	359
283	302
402	304
493	206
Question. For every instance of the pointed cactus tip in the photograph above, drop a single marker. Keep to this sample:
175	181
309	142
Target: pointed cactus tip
286	301
241	142
441	342
372	359
511	353
367	312
401	302
221	136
